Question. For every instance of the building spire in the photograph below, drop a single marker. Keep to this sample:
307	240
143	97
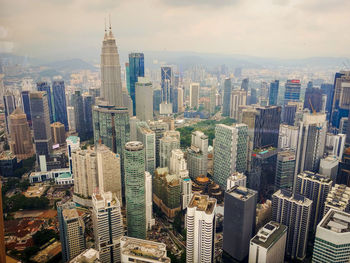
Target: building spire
110	26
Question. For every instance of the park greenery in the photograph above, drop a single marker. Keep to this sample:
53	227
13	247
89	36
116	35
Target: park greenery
207	127
19	202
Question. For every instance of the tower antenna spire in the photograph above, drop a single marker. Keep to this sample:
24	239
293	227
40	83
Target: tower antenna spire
110	26
105	26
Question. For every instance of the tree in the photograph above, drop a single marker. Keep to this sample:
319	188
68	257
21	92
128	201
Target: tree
42	237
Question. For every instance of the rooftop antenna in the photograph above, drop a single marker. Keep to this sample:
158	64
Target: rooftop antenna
110	27
105	26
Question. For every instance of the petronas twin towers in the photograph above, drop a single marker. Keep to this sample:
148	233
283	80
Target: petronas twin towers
111	84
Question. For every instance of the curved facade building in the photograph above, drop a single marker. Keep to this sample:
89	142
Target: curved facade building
134	164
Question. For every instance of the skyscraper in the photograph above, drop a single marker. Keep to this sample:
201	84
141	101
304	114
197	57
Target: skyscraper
148	139
84	163
238	230
73	228
87	109
230	153
77	102
134	163
9	107
212	100
313	99
59	98
197	155
144	99
109	175
338	199
293	211
267	124
316	188
39	108
285	170
111	84
273	93
327	89
245	84
58	133
194	95
20	140
150	221
26	106
166	84
166	145
292	90
288	137
159	127
332	242
238	98
108	226
226	98
200	225
340	97
269	244
45	86
136	70
311	142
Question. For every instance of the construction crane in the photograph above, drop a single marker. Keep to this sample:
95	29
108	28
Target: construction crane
312	107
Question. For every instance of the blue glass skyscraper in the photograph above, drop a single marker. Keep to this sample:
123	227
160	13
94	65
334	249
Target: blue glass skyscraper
26	106
44	86
59	97
292	91
273	93
136	69
327	89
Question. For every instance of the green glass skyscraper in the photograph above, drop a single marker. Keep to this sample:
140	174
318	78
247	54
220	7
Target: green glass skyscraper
134	163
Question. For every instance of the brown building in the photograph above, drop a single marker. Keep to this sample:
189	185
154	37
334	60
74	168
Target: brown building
21	139
2	235
58	133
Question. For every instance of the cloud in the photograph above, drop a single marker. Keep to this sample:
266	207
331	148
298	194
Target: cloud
272	28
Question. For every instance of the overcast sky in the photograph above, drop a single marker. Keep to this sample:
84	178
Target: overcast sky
265	28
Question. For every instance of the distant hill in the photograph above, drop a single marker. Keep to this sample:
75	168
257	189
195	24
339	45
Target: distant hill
70	65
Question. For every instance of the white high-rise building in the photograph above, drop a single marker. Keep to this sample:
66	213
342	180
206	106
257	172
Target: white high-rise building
197	155
200	224
311	142
73	144
166	145
109	174
71	118
150	221
335	144
148	139
269	244
329	167
332	242
140	250
288	137
194	95
238	98
84	164
144	99
108	226
180	100
111	84
238	179
338	199
178	166
293	211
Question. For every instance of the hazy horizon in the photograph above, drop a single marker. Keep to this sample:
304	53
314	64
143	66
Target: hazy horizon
267	29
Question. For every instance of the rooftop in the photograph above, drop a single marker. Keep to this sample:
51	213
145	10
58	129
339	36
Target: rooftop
69	214
203	203
315	177
64	175
269	234
241	192
336	221
285	194
144	249
133	146
6	155
74	139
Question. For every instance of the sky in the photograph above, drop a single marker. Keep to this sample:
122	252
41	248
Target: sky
62	29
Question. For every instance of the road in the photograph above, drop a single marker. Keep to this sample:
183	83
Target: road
177	241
